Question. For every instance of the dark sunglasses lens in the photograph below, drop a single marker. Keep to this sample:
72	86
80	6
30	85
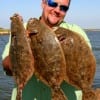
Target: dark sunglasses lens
64	8
52	4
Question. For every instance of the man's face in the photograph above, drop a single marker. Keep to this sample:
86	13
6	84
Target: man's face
54	11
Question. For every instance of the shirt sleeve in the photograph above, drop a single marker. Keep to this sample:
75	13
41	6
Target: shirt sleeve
6	49
78	30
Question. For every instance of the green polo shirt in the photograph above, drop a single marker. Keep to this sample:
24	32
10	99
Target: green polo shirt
37	90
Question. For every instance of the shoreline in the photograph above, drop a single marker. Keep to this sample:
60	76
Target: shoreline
92	29
4	33
8	32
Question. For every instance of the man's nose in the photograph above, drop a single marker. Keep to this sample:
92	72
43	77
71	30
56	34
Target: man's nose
57	9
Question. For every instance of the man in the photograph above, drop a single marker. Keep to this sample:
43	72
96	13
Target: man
53	15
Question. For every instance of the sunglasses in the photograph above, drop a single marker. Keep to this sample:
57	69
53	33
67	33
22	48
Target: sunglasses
55	4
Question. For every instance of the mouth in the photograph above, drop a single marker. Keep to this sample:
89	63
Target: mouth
55	16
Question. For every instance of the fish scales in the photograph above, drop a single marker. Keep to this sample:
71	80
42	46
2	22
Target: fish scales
20	55
80	61
50	62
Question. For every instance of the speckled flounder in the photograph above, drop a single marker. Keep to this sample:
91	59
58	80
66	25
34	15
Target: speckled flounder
80	61
20	54
49	58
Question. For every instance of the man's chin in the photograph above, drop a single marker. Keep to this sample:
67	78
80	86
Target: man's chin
53	22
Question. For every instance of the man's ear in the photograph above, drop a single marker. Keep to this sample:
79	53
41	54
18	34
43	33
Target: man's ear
43	3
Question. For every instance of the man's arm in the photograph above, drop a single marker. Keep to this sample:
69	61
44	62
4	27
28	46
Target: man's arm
6	59
7	66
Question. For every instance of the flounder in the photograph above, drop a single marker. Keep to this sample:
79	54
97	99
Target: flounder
80	61
50	65
20	54
60	55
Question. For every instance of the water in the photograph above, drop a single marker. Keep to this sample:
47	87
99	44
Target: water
95	41
6	82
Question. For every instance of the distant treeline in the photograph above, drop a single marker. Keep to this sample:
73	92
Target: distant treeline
7	31
92	29
4	31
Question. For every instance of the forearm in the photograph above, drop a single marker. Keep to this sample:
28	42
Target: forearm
7	66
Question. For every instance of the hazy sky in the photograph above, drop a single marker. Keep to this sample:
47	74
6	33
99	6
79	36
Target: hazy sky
85	13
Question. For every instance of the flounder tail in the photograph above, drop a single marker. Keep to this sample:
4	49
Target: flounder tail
19	92
89	94
58	94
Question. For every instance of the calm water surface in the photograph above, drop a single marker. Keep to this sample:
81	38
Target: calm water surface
6	82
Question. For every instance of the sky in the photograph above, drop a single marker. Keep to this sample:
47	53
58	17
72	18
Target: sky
85	13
